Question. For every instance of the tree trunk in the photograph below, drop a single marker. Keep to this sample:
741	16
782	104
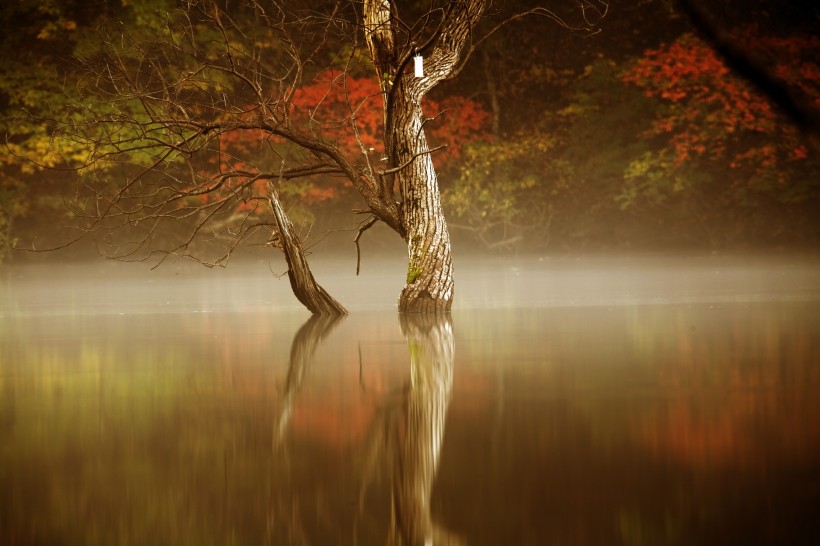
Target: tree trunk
492	91
420	429
304	286
429	285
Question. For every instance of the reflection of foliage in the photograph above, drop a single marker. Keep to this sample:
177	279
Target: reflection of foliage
637	530
106	439
657	421
641	415
119	443
109	440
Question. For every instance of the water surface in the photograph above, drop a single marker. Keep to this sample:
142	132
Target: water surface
568	401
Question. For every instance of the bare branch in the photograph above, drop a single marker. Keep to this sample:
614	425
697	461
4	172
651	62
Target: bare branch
410	161
364	226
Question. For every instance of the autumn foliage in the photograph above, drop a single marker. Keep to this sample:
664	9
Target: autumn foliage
713	114
338	107
346	111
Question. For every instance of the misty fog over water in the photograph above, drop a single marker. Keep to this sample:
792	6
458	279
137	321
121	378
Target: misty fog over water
109	287
574	399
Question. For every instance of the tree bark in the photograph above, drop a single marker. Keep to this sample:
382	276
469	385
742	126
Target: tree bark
492	91
429	285
304	286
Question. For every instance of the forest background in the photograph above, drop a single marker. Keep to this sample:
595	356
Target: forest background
638	136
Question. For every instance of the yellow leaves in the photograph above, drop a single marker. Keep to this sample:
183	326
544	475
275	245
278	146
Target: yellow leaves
34	154
528	182
639	167
574	109
678	184
535	74
652	179
541	73
502	180
52	29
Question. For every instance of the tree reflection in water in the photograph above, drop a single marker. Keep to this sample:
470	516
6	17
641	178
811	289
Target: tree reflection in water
302	349
622	424
418	429
408	433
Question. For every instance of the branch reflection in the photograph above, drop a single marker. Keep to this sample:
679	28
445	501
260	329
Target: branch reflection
405	438
309	336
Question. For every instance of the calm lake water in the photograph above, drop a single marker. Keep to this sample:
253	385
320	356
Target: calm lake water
573	401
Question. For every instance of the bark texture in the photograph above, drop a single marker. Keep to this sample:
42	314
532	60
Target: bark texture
304	286
429	287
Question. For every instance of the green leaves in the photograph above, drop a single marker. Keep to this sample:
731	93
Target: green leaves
503	188
650	181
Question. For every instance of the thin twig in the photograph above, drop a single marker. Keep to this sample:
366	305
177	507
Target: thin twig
362	228
409	161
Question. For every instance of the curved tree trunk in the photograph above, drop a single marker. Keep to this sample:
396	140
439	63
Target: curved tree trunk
429	285
304	286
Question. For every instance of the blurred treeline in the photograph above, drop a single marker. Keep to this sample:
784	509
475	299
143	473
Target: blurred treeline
638	136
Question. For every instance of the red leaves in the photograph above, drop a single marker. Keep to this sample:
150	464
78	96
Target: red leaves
333	103
337	106
348	112
799	152
710	108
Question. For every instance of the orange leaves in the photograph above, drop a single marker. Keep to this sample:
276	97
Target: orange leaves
799	152
465	122
348	113
320	194
335	107
340	107
690	73
714	113
679	64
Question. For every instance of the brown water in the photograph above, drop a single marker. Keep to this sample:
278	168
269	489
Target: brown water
586	401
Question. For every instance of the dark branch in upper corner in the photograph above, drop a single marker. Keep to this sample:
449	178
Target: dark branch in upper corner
799	111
